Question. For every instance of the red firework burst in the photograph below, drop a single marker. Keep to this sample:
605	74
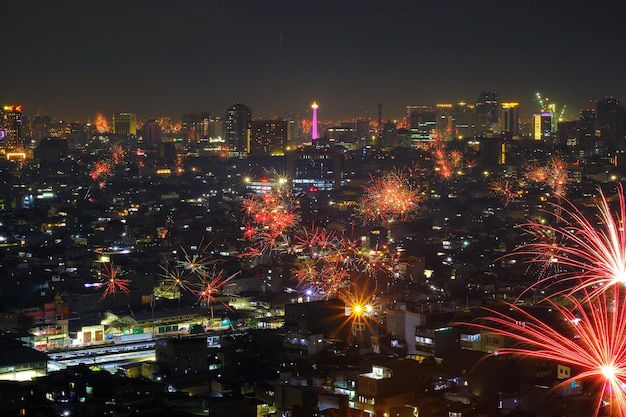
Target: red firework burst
112	280
553	174
100	169
211	284
270	216
389	198
589	252
505	188
589	336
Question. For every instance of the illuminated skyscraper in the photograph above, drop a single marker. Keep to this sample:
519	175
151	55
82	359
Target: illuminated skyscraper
314	134
423	124
237	123
268	137
125	124
11	127
542	126
510	120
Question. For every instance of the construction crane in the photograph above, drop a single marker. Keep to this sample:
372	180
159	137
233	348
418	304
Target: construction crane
546	106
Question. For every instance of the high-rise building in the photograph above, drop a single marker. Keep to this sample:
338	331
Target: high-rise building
510	120
463	121
609	123
423	124
152	134
216	128
39	128
444	120
11	127
542	126
196	126
237	129
315	168
314	132
125	124
389	135
487	103
268	137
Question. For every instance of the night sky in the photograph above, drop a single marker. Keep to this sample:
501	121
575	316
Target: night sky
72	59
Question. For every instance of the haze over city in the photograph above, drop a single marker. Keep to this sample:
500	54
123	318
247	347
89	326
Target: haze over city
72	59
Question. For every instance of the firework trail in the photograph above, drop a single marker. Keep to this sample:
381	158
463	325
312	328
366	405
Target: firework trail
587	252
589	336
112	280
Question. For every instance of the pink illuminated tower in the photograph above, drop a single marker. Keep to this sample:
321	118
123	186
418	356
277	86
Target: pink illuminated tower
314	134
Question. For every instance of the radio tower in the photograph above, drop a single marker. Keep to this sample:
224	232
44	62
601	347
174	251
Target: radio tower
314	134
380	121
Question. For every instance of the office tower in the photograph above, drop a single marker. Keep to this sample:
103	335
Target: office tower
510	120
39	129
11	127
314	133
77	136
125	124
237	129
444	121
58	129
542	126
609	123
152	134
216	128
195	126
344	134
363	131
389	135
463	121
586	131
315	168
268	137
423	124
487	104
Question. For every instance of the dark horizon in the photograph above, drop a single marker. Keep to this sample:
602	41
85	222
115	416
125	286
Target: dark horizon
72	59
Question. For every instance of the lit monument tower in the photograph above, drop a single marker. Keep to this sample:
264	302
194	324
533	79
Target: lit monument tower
314	134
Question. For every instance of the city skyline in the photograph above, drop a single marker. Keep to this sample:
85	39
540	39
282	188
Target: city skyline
72	60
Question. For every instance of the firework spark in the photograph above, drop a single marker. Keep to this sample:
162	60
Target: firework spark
270	217
553	175
590	251
389	198
197	262
211	284
112	280
589	336
173	283
505	188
